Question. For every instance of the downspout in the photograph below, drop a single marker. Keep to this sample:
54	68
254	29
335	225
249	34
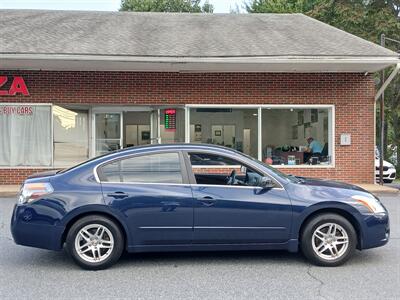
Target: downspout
388	81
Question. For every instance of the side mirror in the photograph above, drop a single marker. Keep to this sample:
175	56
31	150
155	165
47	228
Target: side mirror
267	183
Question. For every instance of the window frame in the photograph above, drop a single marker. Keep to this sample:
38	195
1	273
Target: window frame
260	108
192	178
100	176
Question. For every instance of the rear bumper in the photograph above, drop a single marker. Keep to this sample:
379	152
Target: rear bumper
27	232
376	231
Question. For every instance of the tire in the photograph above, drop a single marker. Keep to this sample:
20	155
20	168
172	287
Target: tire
333	251
103	239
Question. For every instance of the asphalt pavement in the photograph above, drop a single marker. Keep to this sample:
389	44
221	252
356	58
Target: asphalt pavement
28	273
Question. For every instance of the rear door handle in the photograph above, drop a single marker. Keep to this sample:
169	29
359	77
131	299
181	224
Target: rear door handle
207	200
118	195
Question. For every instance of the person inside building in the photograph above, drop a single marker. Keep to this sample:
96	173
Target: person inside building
313	149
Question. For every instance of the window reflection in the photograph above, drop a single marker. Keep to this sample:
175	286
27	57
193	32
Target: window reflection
71	136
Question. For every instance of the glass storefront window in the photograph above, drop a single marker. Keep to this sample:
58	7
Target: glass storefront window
25	135
137	130
296	136
71	136
233	128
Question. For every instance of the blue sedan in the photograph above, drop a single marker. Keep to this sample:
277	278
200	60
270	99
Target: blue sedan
192	197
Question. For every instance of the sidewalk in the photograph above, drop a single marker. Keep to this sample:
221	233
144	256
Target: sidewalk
9	190
12	190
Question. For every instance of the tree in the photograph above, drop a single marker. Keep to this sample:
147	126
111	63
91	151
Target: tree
365	18
189	6
280	6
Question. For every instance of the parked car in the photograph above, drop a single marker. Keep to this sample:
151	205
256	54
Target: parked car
165	198
389	171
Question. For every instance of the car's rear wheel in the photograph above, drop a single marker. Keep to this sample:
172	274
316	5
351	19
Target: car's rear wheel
95	242
328	240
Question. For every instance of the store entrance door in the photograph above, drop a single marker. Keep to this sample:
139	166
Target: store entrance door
108	132
120	127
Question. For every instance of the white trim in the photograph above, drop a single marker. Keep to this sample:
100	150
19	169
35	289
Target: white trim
158	141
52	135
187	124
232	59
332	132
259	134
264	64
275	106
330	166
26	103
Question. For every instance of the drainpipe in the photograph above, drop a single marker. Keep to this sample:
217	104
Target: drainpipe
381	92
387	82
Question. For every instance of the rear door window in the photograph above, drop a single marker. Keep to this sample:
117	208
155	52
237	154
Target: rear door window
152	168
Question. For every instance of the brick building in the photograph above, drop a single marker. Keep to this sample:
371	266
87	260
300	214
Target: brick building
74	85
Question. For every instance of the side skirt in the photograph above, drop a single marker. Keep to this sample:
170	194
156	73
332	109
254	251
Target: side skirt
291	246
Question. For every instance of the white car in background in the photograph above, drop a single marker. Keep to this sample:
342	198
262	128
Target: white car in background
389	171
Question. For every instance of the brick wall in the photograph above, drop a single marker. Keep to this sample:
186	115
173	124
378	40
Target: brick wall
352	95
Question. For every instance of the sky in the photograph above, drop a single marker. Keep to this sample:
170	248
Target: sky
220	6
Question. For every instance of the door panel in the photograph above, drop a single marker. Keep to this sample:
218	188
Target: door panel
152	192
157	214
231	215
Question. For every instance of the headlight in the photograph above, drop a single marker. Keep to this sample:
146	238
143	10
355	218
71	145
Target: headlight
371	203
33	191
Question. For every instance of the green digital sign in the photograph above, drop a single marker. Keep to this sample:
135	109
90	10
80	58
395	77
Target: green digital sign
170	119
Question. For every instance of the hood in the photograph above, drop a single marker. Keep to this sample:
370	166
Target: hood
385	163
44	174
331	184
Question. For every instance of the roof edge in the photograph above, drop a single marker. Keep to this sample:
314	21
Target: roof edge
208	59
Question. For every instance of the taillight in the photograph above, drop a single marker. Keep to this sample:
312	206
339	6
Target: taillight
33	191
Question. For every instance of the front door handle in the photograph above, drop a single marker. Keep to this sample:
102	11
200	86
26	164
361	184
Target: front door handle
118	195
207	200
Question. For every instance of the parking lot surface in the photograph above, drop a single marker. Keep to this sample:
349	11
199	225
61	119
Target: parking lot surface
36	274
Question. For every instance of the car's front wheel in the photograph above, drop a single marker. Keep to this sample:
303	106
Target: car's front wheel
328	240
95	242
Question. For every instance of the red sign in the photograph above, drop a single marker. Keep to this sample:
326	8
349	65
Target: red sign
16	110
18	86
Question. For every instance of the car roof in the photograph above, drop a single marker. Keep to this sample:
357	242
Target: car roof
175	146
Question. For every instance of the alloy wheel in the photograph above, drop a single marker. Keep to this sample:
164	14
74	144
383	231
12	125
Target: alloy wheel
330	241
94	243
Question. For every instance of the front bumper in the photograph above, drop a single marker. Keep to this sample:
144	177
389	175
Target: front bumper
387	175
376	231
28	230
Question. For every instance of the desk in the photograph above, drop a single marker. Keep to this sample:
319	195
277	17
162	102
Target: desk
299	156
